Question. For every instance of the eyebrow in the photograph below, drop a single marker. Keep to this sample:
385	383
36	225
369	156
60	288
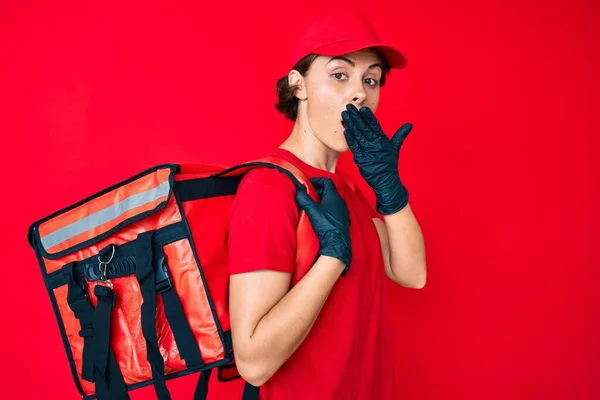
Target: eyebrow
349	61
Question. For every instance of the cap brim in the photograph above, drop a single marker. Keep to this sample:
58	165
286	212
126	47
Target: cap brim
396	59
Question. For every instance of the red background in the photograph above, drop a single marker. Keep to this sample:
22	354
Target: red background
501	164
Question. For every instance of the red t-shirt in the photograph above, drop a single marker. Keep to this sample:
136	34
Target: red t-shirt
348	352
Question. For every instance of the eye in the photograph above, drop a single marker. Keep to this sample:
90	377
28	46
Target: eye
338	75
372	82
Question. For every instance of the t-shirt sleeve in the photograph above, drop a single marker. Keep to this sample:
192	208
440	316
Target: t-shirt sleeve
262	223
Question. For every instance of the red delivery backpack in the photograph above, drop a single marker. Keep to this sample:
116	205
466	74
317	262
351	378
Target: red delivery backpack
138	277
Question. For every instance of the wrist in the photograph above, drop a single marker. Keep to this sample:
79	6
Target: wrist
392	200
340	253
334	264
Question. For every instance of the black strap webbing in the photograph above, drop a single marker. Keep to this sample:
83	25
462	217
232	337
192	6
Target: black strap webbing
145	277
109	381
81	307
250	392
106	301
185	339
202	188
202	386
99	364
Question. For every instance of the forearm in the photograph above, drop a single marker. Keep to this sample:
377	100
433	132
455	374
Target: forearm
281	331
406	248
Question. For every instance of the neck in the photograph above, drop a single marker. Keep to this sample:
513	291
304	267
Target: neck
307	147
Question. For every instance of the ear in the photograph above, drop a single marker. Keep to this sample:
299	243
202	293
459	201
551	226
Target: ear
296	79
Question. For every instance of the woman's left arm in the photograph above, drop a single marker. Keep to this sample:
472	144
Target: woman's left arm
403	248
377	159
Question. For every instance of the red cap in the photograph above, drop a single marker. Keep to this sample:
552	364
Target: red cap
342	32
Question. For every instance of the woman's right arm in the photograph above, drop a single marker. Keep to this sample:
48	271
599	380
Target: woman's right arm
268	322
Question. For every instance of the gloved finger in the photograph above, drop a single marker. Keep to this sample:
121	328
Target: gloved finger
358	121
351	124
323	186
400	135
351	140
306	202
371	120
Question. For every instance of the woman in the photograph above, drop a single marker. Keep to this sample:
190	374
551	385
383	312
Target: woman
327	337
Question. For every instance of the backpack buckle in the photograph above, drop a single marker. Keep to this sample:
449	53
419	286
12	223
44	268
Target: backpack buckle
162	279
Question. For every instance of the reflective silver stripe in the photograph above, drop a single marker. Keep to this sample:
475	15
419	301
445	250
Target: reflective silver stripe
103	216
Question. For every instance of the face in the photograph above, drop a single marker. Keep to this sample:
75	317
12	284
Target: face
330	84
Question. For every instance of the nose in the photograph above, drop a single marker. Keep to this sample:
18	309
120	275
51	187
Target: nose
358	95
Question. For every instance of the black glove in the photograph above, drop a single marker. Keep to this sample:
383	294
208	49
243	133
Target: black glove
330	220
377	157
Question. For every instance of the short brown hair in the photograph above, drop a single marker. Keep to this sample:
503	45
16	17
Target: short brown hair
287	103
